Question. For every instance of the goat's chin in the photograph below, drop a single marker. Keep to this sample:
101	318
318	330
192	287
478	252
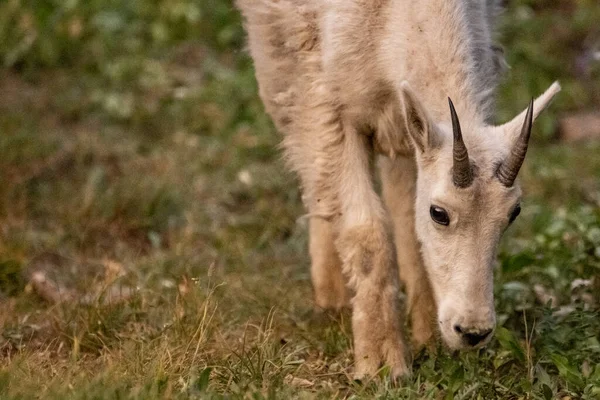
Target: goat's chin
452	341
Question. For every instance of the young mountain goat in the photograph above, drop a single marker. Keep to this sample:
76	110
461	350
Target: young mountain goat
349	79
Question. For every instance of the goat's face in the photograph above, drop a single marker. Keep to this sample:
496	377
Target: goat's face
466	197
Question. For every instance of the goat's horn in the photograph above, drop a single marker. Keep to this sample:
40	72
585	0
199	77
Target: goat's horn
508	170
462	174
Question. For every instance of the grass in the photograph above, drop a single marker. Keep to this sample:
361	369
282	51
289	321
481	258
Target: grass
135	153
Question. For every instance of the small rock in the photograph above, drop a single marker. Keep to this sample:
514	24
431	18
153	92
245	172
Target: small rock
545	296
245	177
579	283
335	367
297	382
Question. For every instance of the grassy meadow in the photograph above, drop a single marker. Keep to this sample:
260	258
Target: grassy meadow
150	239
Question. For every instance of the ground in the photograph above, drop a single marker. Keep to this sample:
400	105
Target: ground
151	240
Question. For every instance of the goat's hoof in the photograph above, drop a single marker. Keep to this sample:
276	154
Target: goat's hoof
397	375
367	372
366	367
396	360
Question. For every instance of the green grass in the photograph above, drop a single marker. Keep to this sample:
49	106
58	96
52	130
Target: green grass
132	139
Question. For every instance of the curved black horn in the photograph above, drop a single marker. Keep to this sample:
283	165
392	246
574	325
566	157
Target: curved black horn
462	174
508	170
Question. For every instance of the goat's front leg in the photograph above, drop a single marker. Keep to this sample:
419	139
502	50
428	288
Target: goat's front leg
369	262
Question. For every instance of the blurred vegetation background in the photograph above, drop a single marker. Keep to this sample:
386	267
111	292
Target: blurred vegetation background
136	158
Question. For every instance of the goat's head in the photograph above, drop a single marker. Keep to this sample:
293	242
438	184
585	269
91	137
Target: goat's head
467	195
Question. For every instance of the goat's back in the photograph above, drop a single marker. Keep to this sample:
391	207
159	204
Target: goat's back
297	43
283	40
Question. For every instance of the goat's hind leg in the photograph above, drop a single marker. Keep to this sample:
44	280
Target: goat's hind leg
329	284
399	185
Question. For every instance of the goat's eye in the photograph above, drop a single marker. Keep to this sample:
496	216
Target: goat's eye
439	215
515	213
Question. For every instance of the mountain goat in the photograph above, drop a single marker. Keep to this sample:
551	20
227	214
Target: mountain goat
350	80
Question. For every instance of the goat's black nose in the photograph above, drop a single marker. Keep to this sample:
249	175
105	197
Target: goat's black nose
472	336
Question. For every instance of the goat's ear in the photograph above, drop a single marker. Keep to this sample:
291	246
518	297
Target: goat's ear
419	125
512	129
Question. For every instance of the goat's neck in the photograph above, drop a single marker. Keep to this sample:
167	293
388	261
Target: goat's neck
439	43
471	114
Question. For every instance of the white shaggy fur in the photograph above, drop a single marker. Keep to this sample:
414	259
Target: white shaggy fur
345	80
